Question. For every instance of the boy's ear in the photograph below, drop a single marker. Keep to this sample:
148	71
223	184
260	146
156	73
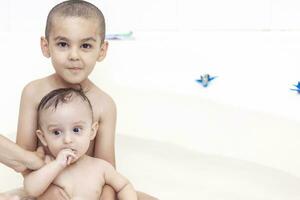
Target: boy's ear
94	130
45	47
41	137
103	50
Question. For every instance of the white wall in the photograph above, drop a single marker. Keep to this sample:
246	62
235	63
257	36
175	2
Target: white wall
179	40
253	46
166	15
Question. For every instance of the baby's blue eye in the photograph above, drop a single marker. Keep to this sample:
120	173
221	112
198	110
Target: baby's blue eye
86	46
76	130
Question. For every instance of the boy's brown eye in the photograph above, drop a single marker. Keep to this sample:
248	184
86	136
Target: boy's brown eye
86	46
62	44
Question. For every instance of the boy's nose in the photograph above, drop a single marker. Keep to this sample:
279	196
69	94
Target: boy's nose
74	55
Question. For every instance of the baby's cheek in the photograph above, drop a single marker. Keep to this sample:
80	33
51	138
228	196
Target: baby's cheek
54	150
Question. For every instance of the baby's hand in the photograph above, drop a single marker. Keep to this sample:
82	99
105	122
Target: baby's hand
66	157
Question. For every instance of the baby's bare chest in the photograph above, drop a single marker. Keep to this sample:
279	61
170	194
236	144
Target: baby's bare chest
81	182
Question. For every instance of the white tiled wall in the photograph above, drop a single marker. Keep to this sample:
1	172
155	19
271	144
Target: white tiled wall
166	15
285	14
198	15
229	14
5	16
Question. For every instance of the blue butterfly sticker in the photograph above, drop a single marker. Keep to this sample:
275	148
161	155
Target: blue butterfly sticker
297	89
205	79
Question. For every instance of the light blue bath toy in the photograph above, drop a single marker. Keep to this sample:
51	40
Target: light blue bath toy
205	79
297	87
119	36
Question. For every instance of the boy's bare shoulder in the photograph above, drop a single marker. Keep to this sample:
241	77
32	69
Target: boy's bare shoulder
99	97
35	89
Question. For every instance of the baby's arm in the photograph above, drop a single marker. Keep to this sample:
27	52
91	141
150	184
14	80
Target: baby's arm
37	182
121	185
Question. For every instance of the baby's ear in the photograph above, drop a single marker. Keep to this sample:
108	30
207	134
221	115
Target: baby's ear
41	137
94	130
103	50
45	47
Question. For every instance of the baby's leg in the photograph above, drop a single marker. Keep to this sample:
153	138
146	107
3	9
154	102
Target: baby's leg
144	196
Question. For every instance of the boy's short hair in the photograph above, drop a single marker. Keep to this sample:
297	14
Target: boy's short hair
76	8
60	96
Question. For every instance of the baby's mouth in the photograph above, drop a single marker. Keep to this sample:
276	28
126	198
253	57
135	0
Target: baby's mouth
74	151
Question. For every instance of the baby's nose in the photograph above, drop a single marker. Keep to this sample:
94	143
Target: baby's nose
67	139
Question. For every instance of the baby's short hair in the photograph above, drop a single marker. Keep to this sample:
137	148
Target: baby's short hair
60	96
76	8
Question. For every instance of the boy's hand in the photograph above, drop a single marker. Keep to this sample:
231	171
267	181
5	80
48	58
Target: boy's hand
66	157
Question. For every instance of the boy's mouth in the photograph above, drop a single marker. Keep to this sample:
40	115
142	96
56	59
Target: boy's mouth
75	68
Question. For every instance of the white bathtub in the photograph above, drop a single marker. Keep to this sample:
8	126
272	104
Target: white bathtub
237	139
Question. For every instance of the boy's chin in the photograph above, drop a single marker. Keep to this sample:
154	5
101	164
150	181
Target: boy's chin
74	81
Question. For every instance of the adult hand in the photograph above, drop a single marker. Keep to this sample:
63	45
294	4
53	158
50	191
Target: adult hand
35	160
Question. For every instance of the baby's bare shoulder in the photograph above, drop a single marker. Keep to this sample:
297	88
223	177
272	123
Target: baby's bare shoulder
96	165
101	164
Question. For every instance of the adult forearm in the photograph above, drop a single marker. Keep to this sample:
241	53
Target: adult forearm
12	155
38	181
108	193
18	158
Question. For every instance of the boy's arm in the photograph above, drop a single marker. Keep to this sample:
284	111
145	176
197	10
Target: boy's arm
121	185
17	158
27	122
105	142
37	182
105	138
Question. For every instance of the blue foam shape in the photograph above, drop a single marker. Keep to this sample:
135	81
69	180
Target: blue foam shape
297	89
119	36
205	80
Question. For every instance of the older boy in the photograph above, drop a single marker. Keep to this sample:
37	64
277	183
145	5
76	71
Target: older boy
74	40
66	127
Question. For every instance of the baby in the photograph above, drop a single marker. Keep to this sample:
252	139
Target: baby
66	127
